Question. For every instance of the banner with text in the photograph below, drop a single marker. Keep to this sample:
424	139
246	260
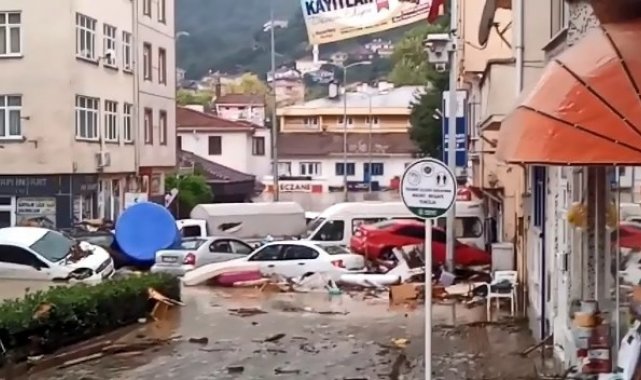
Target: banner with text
336	20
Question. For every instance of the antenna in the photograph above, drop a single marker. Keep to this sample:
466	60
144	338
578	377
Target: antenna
487	21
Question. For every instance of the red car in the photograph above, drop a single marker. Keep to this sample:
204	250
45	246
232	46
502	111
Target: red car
376	241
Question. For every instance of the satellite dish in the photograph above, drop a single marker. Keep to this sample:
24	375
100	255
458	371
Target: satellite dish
487	21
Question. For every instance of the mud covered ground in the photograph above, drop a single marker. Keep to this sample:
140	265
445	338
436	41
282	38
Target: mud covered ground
309	336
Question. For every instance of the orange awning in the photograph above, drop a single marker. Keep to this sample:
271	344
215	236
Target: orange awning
586	108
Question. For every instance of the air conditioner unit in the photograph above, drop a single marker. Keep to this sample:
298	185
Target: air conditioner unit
103	159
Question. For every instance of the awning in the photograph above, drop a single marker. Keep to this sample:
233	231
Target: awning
586	108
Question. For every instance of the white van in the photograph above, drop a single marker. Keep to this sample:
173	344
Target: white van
338	222
250	221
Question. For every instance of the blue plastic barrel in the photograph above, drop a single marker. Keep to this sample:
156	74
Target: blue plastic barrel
143	229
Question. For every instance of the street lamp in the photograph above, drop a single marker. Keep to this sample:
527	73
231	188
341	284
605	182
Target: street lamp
360	63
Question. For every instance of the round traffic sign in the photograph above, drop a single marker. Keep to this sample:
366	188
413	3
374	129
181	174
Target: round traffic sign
428	188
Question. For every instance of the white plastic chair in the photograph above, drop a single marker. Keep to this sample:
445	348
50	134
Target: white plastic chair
502	276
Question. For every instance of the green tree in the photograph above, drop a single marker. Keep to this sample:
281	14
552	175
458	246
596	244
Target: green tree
193	190
410	67
185	98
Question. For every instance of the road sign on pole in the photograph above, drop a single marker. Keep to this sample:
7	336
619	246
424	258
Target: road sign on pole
428	190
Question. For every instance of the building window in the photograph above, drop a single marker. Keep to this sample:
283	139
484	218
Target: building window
85	37
258	146
127	117
162	11
162	125
146	7
539	177
179	142
149	126
310	169
350	121
162	66
284	169
109	45
215	146
375	121
87	110
351	168
560	16
310	122
10	116
146	61
377	168
127	57
111	121
10	34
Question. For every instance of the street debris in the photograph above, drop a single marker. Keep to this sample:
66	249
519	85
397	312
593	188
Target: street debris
274	338
287	371
247	311
235	369
203	340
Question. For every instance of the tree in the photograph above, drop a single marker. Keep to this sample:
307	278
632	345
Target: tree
185	98
409	60
410	67
249	84
193	190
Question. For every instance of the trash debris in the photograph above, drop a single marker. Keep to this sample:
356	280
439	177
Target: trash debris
400	343
286	371
42	311
400	294
247	311
203	340
235	369
163	304
274	338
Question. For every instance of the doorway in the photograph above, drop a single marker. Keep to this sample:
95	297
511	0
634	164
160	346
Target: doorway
7	212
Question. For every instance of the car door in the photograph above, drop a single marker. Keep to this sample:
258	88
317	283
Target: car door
17	263
301	259
239	248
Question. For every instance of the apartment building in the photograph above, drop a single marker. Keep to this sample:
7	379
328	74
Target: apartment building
312	141
69	109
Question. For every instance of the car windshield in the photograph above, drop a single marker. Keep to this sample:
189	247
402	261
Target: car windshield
53	246
189	244
312	226
334	249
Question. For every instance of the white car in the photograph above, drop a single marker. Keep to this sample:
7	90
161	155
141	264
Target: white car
33	253
196	252
290	259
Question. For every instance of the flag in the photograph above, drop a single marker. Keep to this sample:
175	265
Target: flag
436	9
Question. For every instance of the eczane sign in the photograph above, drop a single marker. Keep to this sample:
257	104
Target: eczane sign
295	187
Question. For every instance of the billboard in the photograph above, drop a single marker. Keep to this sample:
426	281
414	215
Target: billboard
461	128
336	20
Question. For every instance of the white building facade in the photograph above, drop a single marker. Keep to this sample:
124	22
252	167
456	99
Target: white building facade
69	104
240	146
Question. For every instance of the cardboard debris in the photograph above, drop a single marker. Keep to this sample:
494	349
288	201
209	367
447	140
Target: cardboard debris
163	304
404	293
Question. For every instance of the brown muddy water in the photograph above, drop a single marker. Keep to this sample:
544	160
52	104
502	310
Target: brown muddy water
298	338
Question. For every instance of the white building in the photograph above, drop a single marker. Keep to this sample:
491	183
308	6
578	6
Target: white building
242	107
239	145
72	98
312	144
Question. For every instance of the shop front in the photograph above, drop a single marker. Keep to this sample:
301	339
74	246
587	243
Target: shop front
579	123
52	201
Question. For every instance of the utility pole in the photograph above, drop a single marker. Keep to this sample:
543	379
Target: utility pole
451	129
274	117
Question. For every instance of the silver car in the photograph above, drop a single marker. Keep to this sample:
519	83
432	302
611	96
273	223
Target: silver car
196	252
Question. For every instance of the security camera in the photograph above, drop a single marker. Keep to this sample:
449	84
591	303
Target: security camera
437	47
440	67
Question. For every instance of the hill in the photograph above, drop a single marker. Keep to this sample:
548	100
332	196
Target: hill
228	35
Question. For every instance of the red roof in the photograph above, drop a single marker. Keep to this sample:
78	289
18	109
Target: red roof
188	119
241	99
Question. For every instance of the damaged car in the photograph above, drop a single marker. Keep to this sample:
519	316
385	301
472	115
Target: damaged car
33	253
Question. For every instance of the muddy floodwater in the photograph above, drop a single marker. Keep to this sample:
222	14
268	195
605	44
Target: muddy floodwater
312	336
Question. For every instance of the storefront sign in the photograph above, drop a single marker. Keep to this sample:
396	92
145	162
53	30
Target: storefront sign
295	187
85	183
36	212
28	185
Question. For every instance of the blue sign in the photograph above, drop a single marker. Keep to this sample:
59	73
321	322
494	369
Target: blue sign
461	129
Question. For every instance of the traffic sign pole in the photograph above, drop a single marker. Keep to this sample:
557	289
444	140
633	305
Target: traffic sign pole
428	298
428	190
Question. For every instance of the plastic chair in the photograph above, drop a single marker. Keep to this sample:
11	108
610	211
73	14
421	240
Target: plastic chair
503	285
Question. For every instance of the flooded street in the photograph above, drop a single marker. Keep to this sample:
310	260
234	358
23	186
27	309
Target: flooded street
309	336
